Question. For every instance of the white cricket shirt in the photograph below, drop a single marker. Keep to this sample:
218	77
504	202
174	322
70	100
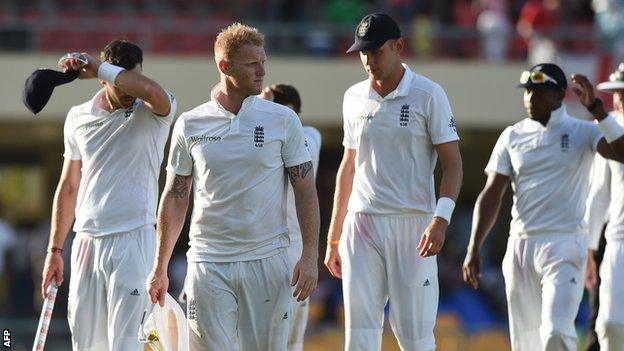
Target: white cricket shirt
313	142
239	181
605	203
121	154
549	169
394	139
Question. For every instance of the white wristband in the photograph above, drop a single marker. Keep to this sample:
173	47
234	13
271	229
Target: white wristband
445	208
109	72
611	129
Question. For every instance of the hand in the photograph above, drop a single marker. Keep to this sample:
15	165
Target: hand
333	262
586	91
305	277
432	239
472	269
157	284
87	71
591	273
52	268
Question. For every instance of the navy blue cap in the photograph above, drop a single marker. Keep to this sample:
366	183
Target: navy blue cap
373	31
40	85
551	70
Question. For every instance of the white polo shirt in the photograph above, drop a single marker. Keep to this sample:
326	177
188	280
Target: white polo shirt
549	171
313	142
121	154
239	181
605	203
394	139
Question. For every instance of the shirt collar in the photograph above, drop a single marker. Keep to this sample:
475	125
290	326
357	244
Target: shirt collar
401	90
556	116
248	103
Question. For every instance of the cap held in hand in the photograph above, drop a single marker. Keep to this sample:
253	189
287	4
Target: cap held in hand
40	85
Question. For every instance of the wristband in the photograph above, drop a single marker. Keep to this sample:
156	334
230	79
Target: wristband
55	250
610	128
594	105
108	72
333	242
444	209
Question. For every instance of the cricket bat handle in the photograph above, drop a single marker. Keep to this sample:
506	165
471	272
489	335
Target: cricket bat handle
46	316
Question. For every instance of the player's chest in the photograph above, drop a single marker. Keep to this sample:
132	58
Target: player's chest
94	134
402	119
237	144
547	151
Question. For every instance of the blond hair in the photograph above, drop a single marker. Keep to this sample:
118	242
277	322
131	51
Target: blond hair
233	37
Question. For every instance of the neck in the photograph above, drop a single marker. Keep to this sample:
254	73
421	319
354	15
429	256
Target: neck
229	97
103	101
389	84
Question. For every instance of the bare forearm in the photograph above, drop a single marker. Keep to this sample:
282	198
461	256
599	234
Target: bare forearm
140	86
344	185
309	220
171	217
484	216
63	214
450	184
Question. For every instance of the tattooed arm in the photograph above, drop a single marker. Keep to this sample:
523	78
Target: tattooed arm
171	214
305	275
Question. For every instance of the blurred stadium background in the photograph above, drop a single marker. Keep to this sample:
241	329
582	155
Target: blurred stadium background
475	49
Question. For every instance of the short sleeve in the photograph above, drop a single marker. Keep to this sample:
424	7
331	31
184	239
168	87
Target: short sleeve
168	119
72	152
593	135
180	160
294	150
440	122
348	139
500	162
598	200
313	142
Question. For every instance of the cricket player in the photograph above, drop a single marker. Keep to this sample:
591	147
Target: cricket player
288	95
386	227
235	151
114	145
605	204
547	157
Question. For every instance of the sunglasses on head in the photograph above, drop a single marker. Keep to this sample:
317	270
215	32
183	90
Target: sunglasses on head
616	76
537	77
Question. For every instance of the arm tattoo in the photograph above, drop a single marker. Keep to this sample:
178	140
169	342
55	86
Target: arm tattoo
299	171
179	187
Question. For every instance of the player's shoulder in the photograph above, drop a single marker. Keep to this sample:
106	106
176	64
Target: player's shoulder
84	108
271	111
358	89
312	133
271	107
419	84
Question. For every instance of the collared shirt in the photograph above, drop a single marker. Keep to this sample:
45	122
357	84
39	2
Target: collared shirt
394	139
549	170
121	154
605	202
313	143
237	163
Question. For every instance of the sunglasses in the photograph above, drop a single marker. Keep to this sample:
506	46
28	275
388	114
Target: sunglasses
537	77
616	76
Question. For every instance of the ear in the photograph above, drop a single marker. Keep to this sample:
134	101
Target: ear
399	44
224	66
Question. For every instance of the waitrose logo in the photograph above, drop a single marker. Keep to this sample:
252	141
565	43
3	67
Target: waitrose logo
87	127
204	138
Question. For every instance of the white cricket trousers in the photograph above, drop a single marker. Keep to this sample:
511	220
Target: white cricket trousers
610	321
299	319
380	262
244	305
107	294
544	277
